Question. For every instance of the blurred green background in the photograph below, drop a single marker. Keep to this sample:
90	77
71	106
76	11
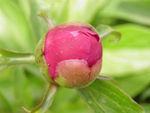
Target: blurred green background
127	61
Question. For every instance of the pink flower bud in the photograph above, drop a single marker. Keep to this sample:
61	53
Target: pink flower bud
73	54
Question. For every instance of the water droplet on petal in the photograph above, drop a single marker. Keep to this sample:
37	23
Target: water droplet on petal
61	52
74	33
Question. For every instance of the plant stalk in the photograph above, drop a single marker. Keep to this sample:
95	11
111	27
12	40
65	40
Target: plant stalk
21	60
9	61
46	100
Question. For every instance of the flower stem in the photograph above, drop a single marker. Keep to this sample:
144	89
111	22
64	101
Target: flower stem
12	61
20	60
49	99
45	102
6	62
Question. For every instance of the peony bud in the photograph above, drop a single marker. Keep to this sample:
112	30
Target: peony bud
70	55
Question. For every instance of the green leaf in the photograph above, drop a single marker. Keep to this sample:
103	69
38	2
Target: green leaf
70	102
133	37
15	30
56	9
36	82
6	90
11	53
146	107
104	31
130	82
4	104
84	10
135	11
37	26
22	88
145	94
105	97
10	58
130	54
124	61
65	10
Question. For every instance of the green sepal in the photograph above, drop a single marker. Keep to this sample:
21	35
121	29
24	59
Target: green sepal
105	31
40	59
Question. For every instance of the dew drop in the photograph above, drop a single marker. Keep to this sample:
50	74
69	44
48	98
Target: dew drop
61	52
89	102
80	47
103	100
74	33
56	53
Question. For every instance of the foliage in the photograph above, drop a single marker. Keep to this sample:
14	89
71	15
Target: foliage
127	61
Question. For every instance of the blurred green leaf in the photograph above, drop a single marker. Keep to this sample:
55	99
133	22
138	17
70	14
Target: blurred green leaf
15	31
105	97
84	10
135	11
133	37
75	10
6	90
11	53
5	107
124	61
145	94
130	82
38	26
33	71
22	88
68	101
56	9
36	83
146	107
130	54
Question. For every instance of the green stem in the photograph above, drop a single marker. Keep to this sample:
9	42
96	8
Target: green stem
49	99
45	102
20	60
10	61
